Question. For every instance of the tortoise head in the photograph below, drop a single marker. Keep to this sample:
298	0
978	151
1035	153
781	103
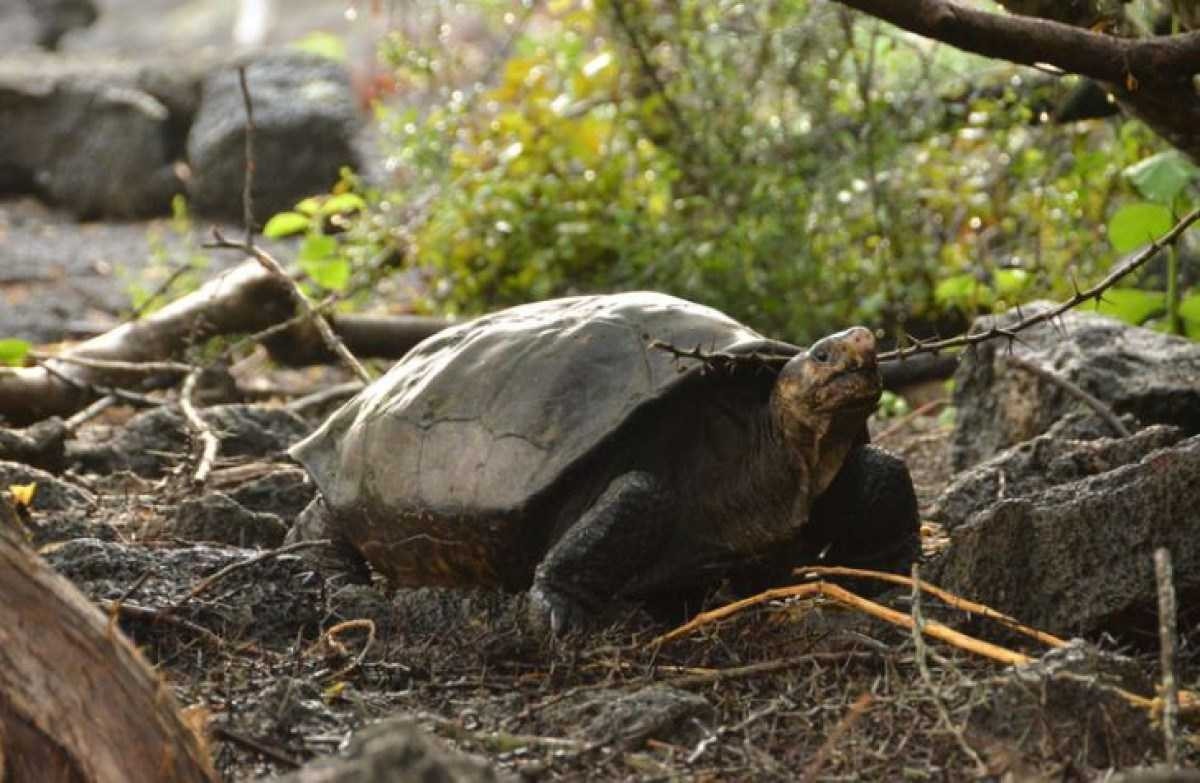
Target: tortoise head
822	399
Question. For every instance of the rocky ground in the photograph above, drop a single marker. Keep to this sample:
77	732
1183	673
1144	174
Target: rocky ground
290	661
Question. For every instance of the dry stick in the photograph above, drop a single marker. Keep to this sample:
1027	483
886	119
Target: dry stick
1075	390
950	599
301	404
821	757
331	340
89	413
1168	641
149	368
1095	292
918	630
209	443
207	583
904	420
248	179
846	598
251	744
160	615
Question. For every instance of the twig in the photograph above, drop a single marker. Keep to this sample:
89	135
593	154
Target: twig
1168	642
301	404
846	598
248	181
1075	390
147	614
904	420
97	390
331	340
248	743
330	638
207	583
813	771
89	413
209	443
918	638
950	599
720	360
1095	292
147	368
158	292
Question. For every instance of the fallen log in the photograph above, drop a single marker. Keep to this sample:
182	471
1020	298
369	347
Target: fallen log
245	300
78	704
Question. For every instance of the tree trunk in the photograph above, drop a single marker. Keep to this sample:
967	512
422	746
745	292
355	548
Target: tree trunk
77	702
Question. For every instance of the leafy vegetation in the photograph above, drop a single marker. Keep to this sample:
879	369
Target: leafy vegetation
792	163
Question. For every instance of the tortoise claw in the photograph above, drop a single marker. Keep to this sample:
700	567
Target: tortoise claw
553	612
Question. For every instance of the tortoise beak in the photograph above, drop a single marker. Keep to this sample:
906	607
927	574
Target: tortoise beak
858	345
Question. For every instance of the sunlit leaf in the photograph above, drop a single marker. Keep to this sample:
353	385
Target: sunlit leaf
1161	177
23	494
1010	281
14	351
343	203
1131	305
319	259
285	224
1134	225
959	290
310	206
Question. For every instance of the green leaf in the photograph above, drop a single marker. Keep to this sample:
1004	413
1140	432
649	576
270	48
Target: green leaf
1134	225
14	351
319	259
310	206
1161	177
343	203
1010	281
960	290
285	224
1132	305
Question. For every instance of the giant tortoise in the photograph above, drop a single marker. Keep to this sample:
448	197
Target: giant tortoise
555	447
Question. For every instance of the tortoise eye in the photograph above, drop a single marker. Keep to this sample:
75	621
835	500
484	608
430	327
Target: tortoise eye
820	355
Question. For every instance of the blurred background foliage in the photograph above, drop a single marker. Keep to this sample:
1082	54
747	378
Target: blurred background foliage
800	166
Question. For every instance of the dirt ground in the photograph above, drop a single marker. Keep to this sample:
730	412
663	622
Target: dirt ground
289	660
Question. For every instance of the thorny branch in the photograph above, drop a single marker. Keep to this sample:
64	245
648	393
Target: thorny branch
721	361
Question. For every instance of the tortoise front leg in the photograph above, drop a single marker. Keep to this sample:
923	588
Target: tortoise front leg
618	537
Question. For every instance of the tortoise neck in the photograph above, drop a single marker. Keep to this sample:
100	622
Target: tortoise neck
813	444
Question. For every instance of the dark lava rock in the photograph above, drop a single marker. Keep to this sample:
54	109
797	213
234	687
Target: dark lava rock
1151	376
1078	557
284	492
1066	704
614	716
95	136
52	494
270	600
218	518
41	445
1045	461
395	751
305	121
154	440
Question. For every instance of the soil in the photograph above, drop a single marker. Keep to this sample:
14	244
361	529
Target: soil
289	660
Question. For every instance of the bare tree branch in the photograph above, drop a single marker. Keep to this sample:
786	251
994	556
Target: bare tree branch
1170	59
